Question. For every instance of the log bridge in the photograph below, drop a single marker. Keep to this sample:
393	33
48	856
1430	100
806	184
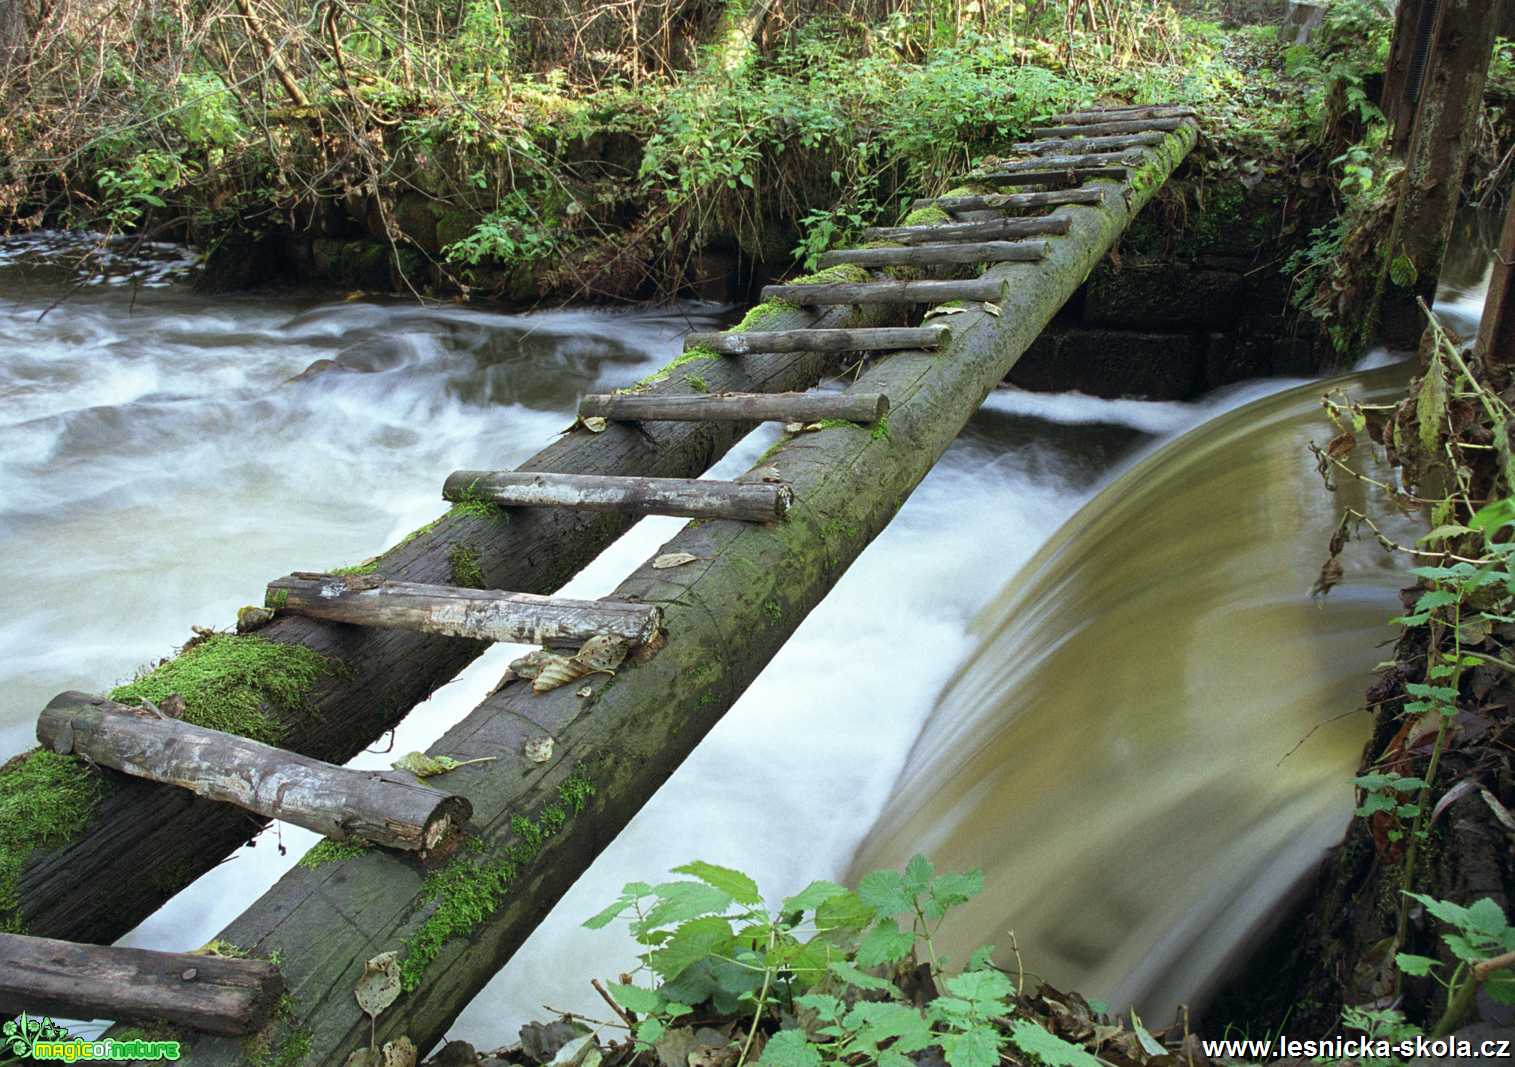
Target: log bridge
451	875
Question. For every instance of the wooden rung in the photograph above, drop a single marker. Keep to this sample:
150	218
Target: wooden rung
1092	129
694	498
887	292
934	254
1077	144
385	807
1078	162
480	614
1126	111
1049	178
876	339
1013	201
995	230
214	994
1084	172
739	407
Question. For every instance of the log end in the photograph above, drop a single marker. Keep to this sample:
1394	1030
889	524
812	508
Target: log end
445	824
55	726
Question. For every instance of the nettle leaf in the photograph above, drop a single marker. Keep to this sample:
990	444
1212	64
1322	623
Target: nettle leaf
1049	1048
1502	988
984	989
1414	966
982	957
649	1030
852	976
884	892
1487	917
630	894
812	896
885	943
950	890
678	901
788	1048
978	1047
826	1007
733	883
1445	910
691	941
877	1021
918	874
635	998
845	911
1374	803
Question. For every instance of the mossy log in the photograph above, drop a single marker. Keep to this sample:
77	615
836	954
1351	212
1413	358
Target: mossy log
479	614
887	292
1120	125
884	339
925	255
1076	161
1012	201
726	618
741	407
694	498
386	808
1069	144
1126	111
211	993
992	230
89	885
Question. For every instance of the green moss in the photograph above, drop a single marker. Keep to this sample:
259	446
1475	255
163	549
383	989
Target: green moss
242	685
774	610
292	1050
468	892
761	315
929	215
698	384
466	571
694	355
276	599
842	272
45	801
329	851
829	424
475	505
880	431
366	567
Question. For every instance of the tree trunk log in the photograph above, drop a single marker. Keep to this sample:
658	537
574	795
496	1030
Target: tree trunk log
755	582
1012	201
1070	144
890	292
387	808
934	254
1414	22
995	230
1078	161
1052	179
209	993
480	614
740	407
1496	330
1125	112
695	498
883	339
89	888
1099	129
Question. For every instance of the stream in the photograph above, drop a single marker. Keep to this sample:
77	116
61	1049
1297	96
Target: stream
1089	626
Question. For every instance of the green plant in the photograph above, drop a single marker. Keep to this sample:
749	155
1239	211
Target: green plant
1483	943
709	941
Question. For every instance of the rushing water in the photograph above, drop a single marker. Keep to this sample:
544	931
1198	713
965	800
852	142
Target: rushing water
161	467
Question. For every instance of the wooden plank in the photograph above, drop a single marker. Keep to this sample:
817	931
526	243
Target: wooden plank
993	230
1074	144
389	808
886	292
728	615
1126	111
1082	162
880	339
740	407
1013	201
1034	177
1047	177
694	498
926	255
479	614
39	975
1092	129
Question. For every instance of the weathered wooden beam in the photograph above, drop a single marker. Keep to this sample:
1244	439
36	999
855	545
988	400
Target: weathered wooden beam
39	975
726	617
1414	24
1075	144
1496	329
926	255
1048	177
1126	111
740	407
1036	177
882	339
931	291
479	614
89	888
993	230
694	498
1081	162
1094	129
1446	127
387	808
1012	201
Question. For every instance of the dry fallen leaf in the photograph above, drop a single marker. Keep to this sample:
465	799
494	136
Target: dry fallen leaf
586	690
603	652
942	310
769	474
538	749
400	1052
594	424
673	559
424	766
531	664
379	986
992	309
558	670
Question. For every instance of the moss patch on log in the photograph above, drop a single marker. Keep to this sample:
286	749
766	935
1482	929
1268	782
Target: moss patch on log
929	215
466	571
848	273
329	851
45	800
467	892
760	315
240	685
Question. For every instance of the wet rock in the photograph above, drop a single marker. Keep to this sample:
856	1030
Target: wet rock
540	1042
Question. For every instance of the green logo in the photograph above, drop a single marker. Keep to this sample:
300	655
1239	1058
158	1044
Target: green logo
29	1038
